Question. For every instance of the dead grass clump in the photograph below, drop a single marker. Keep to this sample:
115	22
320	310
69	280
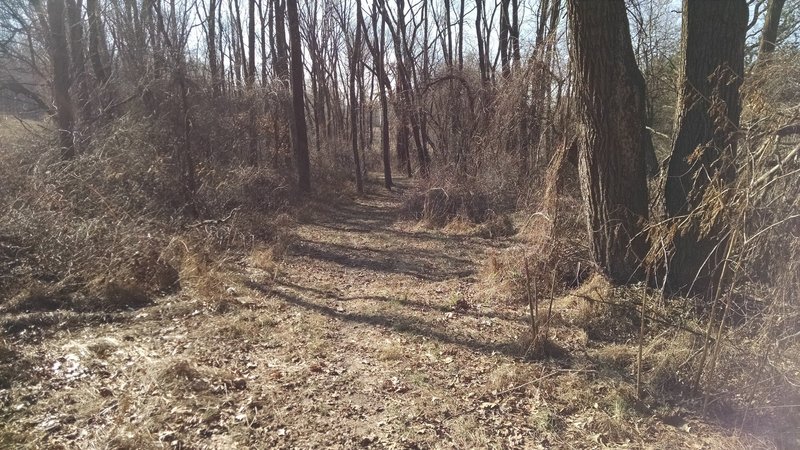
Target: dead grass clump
38	297
502	275
618	356
200	270
183	374
133	440
263	258
664	363
438	206
496	225
120	296
612	430
238	329
507	376
556	255
391	351
181	369
603	311
8	370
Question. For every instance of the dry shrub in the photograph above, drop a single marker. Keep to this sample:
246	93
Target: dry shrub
99	232
747	355
183	374
604	311
439	206
664	362
617	355
553	241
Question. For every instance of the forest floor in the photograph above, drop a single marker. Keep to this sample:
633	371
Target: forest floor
371	332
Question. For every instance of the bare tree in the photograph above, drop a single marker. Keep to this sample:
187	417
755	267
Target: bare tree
299	132
355	60
59	56
211	43
769	33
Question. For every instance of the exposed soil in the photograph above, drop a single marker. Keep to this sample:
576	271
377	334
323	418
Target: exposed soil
372	332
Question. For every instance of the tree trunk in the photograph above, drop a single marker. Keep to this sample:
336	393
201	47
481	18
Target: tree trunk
251	44
378	49
299	132
96	42
769	34
262	16
281	57
709	106
611	162
212	48
483	62
514	33
461	37
221	48
78	59
251	79
505	30
59	56
355	56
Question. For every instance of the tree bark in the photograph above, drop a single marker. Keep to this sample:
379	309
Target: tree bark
59	56
483	62
387	160
78	57
769	34
709	107
281	57
461	37
611	161
299	131
96	42
355	57
251	79
505	30
211	42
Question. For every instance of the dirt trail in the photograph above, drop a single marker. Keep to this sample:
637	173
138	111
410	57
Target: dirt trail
374	334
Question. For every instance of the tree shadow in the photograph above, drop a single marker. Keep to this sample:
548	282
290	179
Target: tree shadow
422	264
402	324
407	302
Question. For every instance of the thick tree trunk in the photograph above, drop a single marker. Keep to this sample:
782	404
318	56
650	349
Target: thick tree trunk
708	108
300	134
611	162
59	56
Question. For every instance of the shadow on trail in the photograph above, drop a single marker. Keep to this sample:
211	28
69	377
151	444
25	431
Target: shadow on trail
423	264
411	304
401	324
